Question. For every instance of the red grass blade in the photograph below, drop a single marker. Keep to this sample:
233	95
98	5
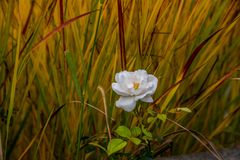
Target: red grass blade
171	91
28	18
121	36
59	28
195	53
62	22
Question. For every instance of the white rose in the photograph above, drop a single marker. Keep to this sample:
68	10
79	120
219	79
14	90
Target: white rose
134	86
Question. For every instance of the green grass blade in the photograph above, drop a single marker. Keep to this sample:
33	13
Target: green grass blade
13	88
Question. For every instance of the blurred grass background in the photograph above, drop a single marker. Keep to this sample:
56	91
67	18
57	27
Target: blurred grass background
54	55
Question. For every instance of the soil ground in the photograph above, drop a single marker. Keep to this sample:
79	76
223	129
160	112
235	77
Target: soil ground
227	154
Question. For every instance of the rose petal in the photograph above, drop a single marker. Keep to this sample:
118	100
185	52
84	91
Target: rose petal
126	103
148	85
134	86
119	90
152	84
121	76
154	81
147	99
141	74
141	96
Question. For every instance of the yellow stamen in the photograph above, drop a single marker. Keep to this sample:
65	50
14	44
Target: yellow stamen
135	85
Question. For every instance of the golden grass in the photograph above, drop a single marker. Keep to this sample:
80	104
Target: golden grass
53	53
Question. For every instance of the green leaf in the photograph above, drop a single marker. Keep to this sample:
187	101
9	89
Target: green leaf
151	112
173	110
162	117
136	131
183	109
123	131
136	141
146	133
115	145
95	144
150	119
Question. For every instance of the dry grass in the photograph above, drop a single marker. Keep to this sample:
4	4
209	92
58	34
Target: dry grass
53	53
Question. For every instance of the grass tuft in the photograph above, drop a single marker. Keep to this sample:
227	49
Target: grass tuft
58	60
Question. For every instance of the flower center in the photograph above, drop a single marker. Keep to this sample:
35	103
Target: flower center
135	85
